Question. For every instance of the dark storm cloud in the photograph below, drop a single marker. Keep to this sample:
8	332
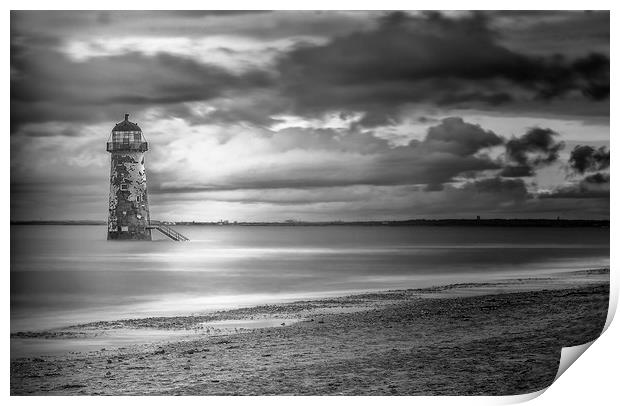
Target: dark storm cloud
584	158
593	70
48	86
375	68
534	148
597	179
430	59
460	138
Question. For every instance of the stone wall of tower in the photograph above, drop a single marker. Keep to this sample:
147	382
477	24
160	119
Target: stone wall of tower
129	207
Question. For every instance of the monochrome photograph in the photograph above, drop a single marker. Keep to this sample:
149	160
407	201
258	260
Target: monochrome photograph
232	203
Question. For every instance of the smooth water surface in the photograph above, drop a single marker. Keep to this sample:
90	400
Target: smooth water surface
63	275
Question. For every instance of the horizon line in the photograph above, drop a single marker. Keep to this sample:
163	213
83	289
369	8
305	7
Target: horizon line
293	221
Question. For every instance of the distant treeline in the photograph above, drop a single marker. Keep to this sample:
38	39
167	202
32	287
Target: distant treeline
395	223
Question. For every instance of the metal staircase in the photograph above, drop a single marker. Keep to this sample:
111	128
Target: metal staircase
167	231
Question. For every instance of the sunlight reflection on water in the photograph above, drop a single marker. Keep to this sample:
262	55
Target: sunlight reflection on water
62	275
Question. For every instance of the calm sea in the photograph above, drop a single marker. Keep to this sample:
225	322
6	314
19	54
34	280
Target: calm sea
62	275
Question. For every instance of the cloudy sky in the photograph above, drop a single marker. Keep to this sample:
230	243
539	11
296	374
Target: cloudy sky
315	115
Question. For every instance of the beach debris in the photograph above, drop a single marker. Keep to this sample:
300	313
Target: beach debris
159	351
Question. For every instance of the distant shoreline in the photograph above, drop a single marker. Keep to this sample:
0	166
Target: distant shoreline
393	223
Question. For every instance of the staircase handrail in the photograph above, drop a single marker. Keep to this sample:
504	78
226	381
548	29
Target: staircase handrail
167	230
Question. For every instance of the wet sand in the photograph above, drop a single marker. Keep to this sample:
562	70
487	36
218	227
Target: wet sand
499	338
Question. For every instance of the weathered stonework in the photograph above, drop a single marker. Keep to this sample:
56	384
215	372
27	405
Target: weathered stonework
128	217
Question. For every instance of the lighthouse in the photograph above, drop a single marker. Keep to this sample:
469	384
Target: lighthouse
128	217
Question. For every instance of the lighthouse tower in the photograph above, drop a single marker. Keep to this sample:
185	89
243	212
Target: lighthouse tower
128	217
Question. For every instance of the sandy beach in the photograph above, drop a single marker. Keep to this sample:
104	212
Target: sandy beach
497	338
